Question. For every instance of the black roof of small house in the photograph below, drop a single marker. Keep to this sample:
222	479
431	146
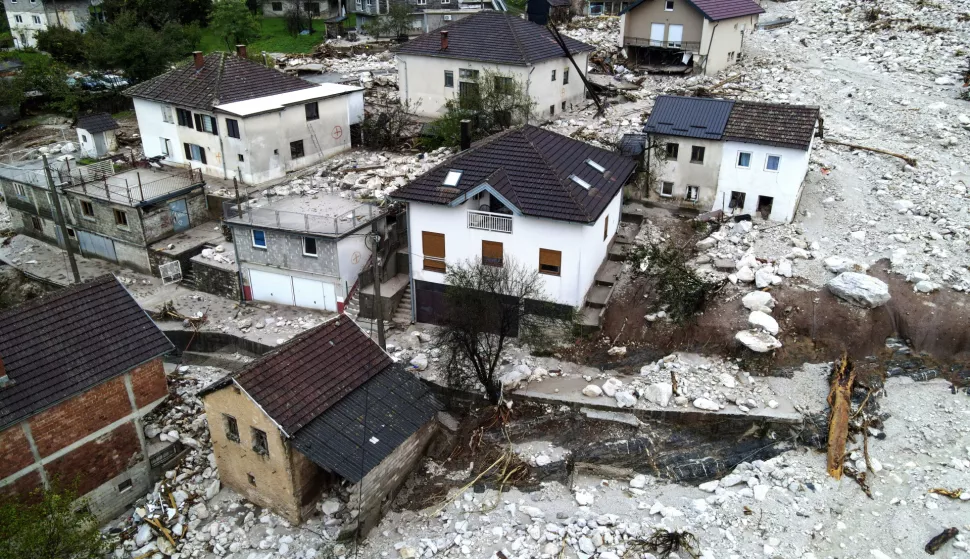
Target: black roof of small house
95	123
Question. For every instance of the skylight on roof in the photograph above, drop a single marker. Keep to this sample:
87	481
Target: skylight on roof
580	182
596	165
452	178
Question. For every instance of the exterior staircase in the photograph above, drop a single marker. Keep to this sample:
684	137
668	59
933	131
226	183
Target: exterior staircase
402	314
188	279
352	309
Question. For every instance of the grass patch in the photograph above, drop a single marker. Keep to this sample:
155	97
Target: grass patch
124	114
27	56
273	38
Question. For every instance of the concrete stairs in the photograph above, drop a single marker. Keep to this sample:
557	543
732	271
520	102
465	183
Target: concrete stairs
402	314
352	309
188	280
598	296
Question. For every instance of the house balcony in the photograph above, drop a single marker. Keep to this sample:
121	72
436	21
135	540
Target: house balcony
685	46
487	221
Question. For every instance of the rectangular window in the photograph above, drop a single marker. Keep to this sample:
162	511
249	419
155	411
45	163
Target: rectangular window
468	75
672	151
552	110
71	233
309	246
184	117
772	163
259	238
744	159
692	192
563	108
167	114
504	85
124	486
206	123
449	78
18	19
433	245
422	2
696	154
565	76
241	158
312	111
36	223
669	6
550	262
277	6
667	189
553	75
87	209
296	149
195	153
260	446
84	138
492	254
121	218
20	190
232	127
606	227
232	428
166	146
37	20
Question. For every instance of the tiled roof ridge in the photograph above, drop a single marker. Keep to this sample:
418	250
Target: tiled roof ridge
217	82
561	182
518	44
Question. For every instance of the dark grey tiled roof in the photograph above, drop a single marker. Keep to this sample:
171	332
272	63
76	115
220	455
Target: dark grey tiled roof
691	117
97	123
493	37
632	145
64	343
358	432
530	167
222	79
715	10
772	124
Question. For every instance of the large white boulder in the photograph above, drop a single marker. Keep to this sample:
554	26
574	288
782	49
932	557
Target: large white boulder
705	404
763	277
758	300
611	386
757	341
764	321
592	391
625	399
859	289
659	393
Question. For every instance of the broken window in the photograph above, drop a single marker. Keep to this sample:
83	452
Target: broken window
232	428
259	238
449	78
232	128
692	192
312	111
492	254
260	446
184	117
667	189
87	209
565	76
737	200
772	163
697	154
744	159
309	246
121	218
296	149
672	151
550	262
433	245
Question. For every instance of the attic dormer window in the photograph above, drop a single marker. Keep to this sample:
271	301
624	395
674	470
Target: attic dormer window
580	182
452	178
596	165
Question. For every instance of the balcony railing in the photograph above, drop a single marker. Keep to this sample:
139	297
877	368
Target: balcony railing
490	222
686	46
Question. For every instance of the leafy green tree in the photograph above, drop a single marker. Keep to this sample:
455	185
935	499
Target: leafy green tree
50	524
234	23
159	13
397	20
137	49
63	44
255	6
43	75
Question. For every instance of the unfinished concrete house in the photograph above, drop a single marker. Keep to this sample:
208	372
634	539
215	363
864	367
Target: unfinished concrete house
329	406
79	370
680	36
234	118
96	135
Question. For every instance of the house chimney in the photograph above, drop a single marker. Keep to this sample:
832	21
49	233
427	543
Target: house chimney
444	40
466	134
199	59
241	51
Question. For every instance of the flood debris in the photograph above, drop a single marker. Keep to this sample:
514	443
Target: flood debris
840	395
940	540
951	493
665	543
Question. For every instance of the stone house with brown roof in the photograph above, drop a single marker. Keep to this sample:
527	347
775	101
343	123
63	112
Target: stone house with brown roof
79	370
328	406
703	36
235	118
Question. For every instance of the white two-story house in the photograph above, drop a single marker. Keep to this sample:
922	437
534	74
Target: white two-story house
449	62
234	118
740	157
547	201
28	17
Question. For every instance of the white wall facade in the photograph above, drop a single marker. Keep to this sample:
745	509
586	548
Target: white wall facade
783	185
582	246
421	79
25	31
683	173
722	41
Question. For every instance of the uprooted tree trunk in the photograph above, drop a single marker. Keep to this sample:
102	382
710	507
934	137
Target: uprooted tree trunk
840	402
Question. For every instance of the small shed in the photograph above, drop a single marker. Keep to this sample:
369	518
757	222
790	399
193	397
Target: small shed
96	134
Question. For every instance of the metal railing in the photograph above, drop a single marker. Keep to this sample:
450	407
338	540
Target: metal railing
489	221
132	190
246	213
691	46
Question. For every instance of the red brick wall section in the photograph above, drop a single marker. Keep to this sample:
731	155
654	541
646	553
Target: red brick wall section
98	461
148	382
15	452
23	488
80	416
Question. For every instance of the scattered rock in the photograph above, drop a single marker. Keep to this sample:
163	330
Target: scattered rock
859	289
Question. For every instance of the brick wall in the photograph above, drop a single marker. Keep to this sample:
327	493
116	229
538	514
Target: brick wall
80	416
15	451
148	383
22	487
99	460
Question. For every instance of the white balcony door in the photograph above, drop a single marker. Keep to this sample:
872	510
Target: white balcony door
657	33
675	35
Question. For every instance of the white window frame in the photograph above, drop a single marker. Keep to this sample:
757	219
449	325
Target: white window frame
737	160
316	247
167	115
422	2
252	235
669	5
667	194
767	158
36	20
358	3
553	75
18	19
166	146
20	190
697	193
208	123
86	215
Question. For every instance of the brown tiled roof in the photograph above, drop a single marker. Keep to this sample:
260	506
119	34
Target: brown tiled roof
716	10
64	343
531	168
222	79
772	124
493	37
303	378
97	123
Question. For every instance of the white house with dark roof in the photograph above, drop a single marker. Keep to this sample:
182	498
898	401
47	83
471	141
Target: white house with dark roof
740	157
440	65
96	134
550	202
234	118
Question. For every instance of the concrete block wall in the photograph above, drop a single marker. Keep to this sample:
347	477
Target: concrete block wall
216	280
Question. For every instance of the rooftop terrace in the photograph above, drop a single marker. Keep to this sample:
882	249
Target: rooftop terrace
325	214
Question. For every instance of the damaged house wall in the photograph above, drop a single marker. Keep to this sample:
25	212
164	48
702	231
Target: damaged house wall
723	38
683	173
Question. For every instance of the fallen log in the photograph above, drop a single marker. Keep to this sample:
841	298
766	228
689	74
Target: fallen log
841	406
910	160
937	542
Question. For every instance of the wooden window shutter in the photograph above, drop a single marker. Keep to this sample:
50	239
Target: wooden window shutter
188	152
202	153
434	251
492	253
550	261
198	122
606	227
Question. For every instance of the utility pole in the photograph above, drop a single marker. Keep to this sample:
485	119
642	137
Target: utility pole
60	221
378	307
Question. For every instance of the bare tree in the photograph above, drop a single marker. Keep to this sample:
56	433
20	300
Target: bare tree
488	302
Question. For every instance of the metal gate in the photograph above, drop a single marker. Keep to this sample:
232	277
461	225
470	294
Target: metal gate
97	246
